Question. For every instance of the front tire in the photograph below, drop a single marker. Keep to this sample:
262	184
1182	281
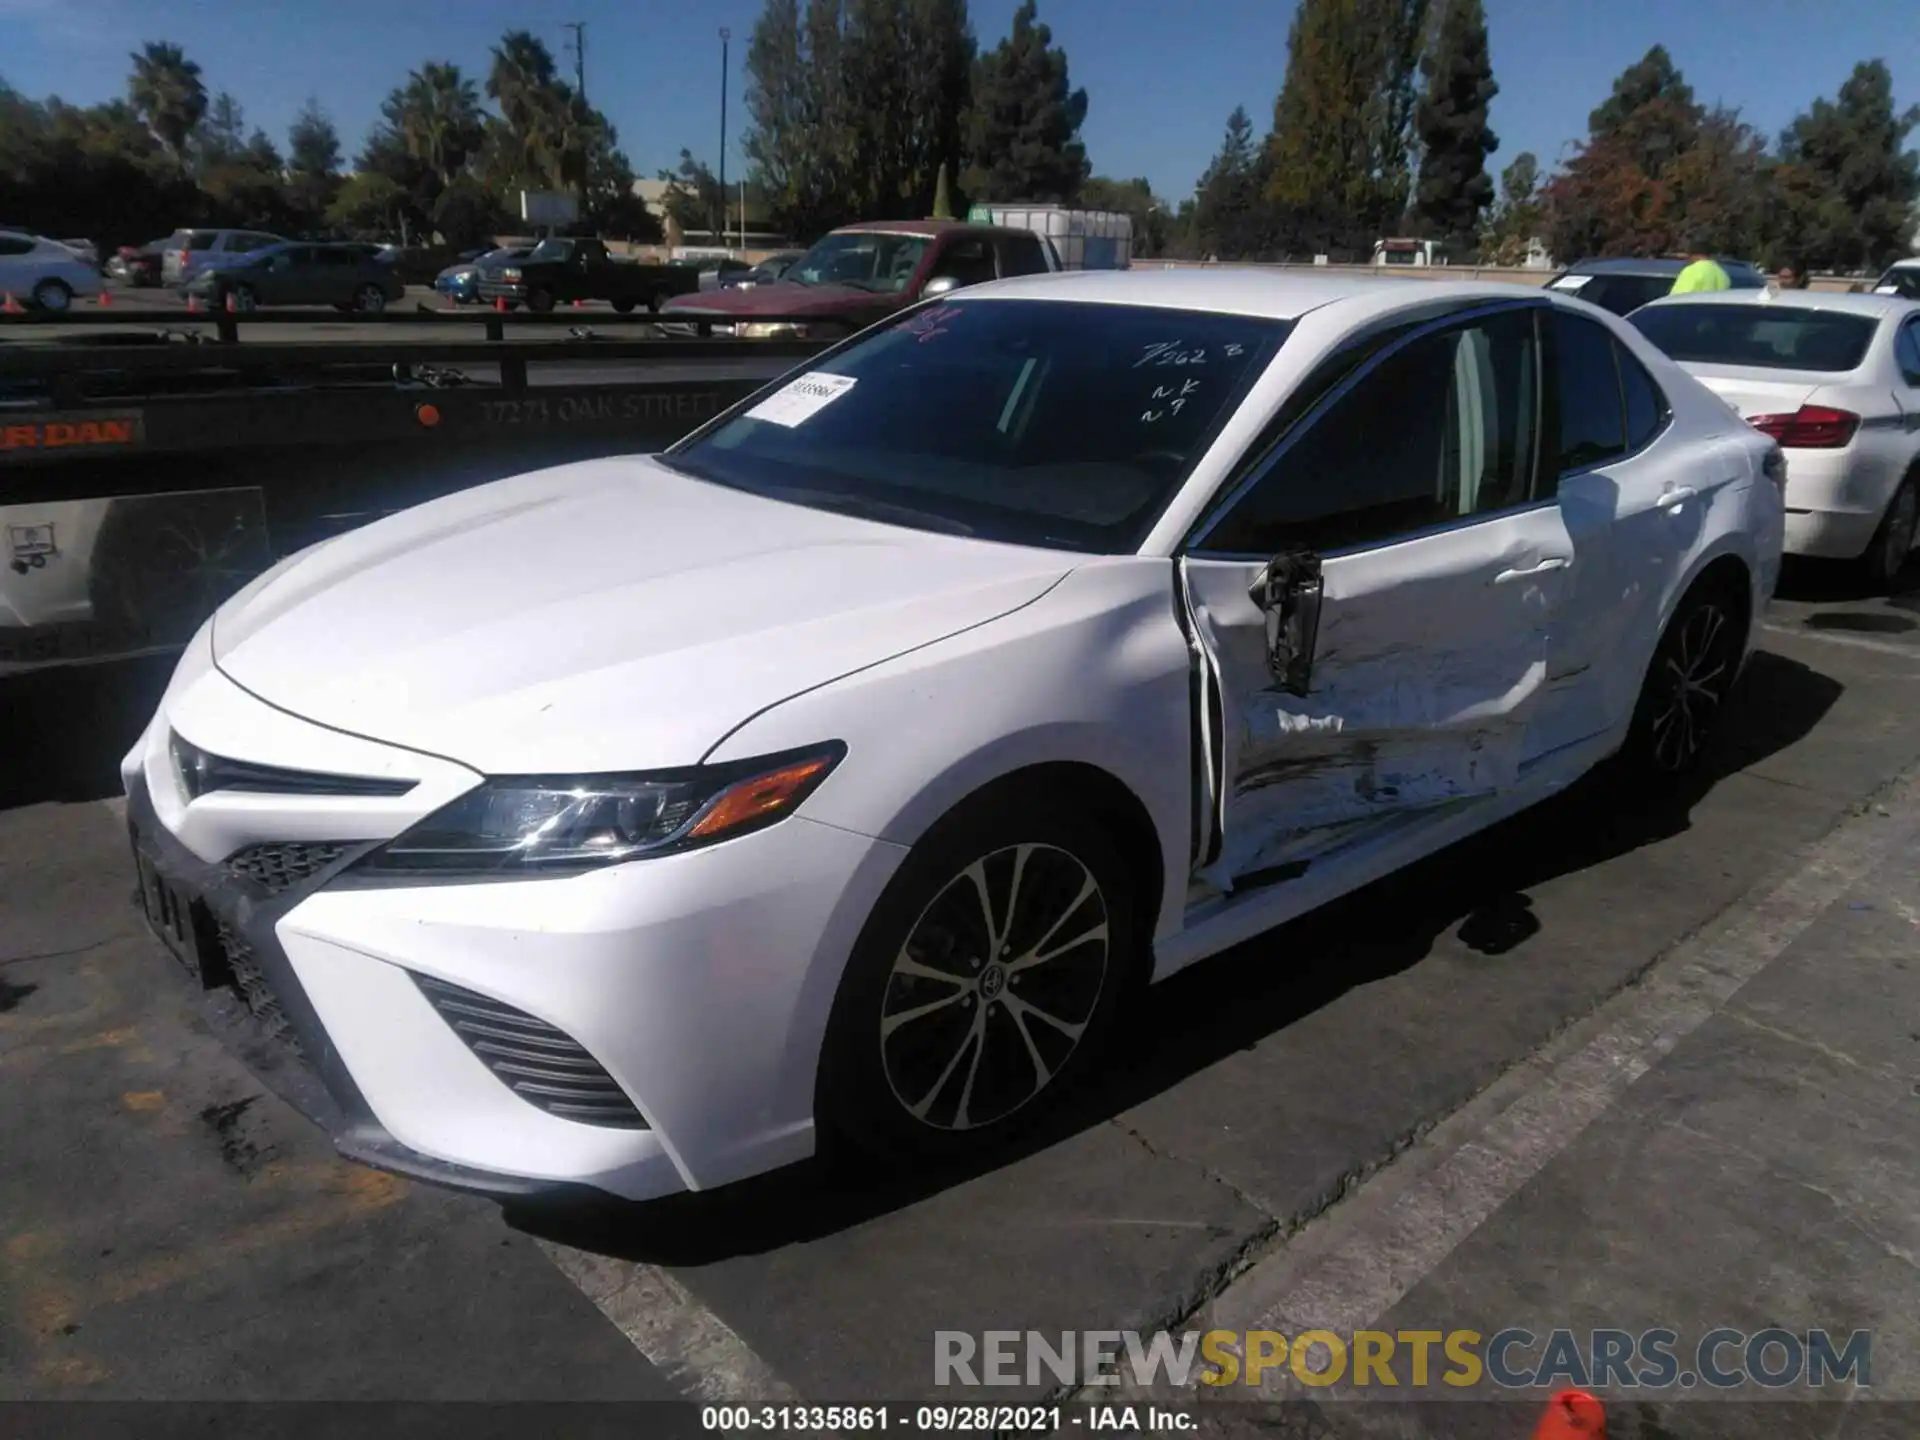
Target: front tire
984	985
1892	542
244	300
539	301
1686	686
370	300
53	296
623	307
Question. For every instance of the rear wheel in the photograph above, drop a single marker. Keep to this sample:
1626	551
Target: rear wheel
984	985
623	307
53	295
1686	687
244	300
1891	544
370	300
653	303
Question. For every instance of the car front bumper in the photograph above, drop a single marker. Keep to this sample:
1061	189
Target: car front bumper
700	983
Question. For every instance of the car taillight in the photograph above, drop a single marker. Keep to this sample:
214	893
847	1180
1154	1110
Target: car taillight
1811	427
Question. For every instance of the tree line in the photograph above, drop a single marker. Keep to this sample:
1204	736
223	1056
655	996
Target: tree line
438	160
888	109
1381	128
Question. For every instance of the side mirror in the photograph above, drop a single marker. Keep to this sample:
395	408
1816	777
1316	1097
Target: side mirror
939	285
1288	594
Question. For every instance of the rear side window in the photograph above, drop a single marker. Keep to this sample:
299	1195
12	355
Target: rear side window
1021	255
198	240
1763	337
1592	428
14	245
1908	351
1647	408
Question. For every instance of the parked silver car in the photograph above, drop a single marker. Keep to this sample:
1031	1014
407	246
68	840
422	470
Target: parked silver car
186	249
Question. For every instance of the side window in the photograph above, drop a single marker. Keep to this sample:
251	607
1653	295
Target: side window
253	242
1440	430
1907	350
1021	255
10	245
1592	426
968	261
1647	408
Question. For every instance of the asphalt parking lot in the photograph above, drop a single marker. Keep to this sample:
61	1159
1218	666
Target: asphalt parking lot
1607	1065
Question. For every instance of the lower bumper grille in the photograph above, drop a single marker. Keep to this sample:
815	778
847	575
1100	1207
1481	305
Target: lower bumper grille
276	867
251	983
540	1063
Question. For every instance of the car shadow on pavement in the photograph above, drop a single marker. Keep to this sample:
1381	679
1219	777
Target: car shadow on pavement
1476	890
63	731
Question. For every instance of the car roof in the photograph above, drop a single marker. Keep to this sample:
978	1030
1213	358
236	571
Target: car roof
1912	262
1877	306
926	227
1239	290
1649	265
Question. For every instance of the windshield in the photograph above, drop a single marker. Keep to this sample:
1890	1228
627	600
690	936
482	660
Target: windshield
551	250
884	264
1761	337
1035	422
1902	280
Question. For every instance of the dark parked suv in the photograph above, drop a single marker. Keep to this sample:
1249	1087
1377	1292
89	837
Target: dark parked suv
1623	286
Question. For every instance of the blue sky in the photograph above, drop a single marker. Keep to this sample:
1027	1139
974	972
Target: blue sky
1161	76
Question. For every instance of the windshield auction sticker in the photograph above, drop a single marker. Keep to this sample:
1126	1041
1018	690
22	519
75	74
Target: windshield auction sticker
800	401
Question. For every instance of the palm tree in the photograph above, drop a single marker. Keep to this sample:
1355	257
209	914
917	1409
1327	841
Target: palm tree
167	93
439	120
534	104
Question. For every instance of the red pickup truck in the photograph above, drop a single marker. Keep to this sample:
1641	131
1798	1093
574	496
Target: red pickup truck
860	274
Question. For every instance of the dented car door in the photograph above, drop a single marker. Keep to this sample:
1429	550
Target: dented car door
1371	606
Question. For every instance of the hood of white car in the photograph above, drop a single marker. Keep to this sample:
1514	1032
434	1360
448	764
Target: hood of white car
605	616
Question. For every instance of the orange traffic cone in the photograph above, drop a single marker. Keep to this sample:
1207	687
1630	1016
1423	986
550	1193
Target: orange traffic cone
500	304
193	304
13	306
232	309
106	297
1572	1415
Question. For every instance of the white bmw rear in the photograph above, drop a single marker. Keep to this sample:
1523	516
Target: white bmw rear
851	767
1835	378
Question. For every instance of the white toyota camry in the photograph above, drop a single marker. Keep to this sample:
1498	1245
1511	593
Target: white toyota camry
849	767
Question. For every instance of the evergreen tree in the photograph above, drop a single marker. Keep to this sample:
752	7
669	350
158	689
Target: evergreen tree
1514	223
1023	134
1227	207
1847	182
1342	125
1454	189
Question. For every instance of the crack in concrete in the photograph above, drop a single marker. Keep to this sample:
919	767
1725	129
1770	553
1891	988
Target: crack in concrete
60	954
1807	1042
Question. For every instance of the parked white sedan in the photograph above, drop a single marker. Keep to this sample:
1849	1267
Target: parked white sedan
43	273
1835	378
847	768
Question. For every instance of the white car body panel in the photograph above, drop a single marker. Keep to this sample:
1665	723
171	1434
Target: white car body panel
619	616
1835	498
22	274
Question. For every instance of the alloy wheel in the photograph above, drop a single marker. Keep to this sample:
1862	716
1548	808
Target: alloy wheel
994	986
1694	671
371	299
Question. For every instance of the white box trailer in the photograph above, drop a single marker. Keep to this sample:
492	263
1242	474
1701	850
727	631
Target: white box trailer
1084	239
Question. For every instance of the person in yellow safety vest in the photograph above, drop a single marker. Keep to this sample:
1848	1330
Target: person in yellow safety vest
1704	273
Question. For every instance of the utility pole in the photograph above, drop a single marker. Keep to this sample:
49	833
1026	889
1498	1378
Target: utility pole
579	29
726	36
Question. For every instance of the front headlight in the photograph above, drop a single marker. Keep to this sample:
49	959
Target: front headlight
526	825
772	330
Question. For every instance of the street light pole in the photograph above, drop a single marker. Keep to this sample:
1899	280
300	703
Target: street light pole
726	36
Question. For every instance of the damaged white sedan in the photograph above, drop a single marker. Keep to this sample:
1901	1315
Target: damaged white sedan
849	767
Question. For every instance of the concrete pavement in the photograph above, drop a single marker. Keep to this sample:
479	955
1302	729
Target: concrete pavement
1265	1099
